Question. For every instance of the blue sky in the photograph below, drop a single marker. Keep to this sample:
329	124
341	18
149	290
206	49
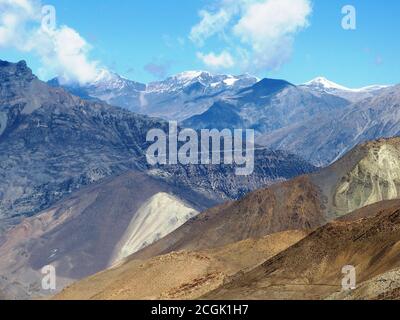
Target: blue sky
147	40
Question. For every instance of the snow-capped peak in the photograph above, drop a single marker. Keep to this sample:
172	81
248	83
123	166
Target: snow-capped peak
108	80
205	78
324	84
191	75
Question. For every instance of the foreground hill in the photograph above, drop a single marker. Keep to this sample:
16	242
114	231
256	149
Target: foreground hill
311	269
180	275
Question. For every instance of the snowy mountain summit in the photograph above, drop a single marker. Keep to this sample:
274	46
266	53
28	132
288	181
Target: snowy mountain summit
322	85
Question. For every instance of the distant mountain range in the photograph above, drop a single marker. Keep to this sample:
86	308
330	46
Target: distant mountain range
284	116
328	136
176	98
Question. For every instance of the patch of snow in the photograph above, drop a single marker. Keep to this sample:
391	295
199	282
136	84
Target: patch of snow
189	75
230	81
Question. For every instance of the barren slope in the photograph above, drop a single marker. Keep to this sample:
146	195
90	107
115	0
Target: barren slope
83	234
311	269
368	174
179	275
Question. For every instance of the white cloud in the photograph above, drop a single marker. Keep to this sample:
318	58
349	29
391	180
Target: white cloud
224	60
210	24
61	49
260	32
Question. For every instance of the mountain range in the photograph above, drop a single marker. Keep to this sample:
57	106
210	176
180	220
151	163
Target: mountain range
177	98
285	116
52	143
76	190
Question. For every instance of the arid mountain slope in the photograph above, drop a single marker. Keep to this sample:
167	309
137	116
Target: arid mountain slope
311	269
180	275
386	286
282	207
85	233
366	175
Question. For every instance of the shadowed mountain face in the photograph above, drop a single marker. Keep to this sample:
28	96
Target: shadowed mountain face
53	143
366	175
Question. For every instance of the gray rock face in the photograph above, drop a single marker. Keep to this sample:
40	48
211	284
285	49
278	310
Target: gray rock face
53	143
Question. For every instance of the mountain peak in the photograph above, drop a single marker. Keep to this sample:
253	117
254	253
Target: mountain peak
324	83
19	69
266	87
192	74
